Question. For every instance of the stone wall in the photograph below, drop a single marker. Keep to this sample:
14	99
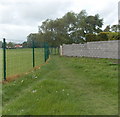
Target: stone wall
99	49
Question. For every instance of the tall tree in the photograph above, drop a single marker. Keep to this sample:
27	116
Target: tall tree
115	28
107	29
71	28
10	45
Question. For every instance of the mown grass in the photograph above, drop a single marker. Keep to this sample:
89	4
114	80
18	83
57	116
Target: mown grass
21	60
65	86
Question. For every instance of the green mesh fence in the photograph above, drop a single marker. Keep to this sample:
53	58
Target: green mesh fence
54	50
39	56
19	60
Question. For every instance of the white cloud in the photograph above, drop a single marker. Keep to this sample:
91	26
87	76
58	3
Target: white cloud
33	11
14	32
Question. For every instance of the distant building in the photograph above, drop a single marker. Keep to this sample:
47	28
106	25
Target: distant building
18	46
0	44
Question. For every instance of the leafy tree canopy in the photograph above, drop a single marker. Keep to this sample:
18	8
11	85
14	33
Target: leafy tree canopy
71	28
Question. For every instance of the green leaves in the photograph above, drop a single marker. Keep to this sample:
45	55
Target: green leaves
71	28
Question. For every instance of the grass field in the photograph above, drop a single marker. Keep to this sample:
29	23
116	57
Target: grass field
20	60
65	86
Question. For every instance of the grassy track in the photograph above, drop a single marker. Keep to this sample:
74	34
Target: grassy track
65	86
20	60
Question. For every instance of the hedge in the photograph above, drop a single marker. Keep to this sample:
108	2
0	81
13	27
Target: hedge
103	36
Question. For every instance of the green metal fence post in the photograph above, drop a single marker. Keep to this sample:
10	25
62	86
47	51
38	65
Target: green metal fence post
4	58
44	51
48	51
33	46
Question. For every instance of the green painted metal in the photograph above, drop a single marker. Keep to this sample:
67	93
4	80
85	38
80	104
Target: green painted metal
4	58
46	51
53	50
33	48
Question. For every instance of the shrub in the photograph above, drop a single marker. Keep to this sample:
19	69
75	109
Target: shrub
118	36
90	37
114	36
102	36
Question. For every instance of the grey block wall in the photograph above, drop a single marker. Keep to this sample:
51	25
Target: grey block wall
100	49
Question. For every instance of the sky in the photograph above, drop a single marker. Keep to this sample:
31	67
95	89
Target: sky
19	18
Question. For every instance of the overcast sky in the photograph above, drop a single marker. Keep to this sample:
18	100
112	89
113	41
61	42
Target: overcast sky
18	18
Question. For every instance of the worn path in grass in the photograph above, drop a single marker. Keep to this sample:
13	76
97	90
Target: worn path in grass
65	86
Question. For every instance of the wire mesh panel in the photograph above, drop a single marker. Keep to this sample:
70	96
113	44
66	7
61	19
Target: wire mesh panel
19	59
39	56
54	50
